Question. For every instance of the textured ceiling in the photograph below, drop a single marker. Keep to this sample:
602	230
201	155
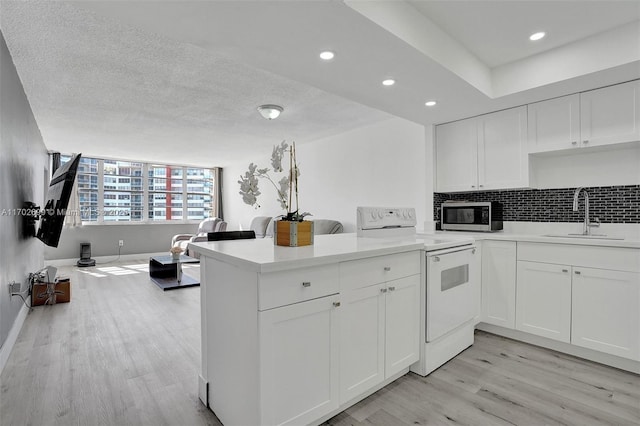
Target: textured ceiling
107	89
179	80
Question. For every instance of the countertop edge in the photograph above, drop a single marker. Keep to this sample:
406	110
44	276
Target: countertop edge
632	244
284	265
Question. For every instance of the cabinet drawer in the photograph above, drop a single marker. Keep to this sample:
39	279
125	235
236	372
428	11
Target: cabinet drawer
615	258
287	287
374	270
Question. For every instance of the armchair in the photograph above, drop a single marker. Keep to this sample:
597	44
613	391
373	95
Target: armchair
327	226
259	225
212	224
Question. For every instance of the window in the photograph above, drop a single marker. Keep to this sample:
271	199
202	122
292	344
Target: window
127	191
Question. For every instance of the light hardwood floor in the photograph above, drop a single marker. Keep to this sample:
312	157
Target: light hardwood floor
124	352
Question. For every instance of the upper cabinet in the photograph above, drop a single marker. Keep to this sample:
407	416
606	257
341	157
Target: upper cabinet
457	156
610	115
482	153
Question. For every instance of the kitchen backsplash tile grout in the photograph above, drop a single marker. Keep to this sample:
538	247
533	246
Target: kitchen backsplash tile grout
611	204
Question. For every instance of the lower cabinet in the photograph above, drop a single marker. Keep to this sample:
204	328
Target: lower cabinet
595	307
606	311
380	333
499	283
299	355
543	301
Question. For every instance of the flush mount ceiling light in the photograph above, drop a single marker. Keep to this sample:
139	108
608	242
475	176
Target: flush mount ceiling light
270	112
537	36
327	55
430	103
388	82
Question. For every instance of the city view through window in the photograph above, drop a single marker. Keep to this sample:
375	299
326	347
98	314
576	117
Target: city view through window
127	191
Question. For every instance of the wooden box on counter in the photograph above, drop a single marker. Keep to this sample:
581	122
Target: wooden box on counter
292	233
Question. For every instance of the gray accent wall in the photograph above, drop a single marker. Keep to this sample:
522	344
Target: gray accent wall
151	238
23	164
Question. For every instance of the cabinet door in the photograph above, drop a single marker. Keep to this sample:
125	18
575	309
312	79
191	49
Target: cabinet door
543	300
554	124
362	325
456	156
299	361
502	150
606	311
499	283
610	115
402	333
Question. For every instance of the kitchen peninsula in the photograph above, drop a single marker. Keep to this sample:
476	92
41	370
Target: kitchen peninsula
280	330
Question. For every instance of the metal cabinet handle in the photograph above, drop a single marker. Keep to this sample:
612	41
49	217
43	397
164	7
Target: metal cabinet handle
306	284
383	290
387	268
473	186
585	141
392	288
336	304
473	251
574	143
436	259
480	186
577	272
565	270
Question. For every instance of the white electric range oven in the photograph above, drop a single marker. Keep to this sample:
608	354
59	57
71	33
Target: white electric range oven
450	290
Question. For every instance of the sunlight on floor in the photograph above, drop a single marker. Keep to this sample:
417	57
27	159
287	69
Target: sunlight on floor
105	271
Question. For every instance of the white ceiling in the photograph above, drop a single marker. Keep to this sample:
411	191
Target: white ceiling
179	81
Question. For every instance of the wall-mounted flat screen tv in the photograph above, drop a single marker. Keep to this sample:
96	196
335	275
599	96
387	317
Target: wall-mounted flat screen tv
57	201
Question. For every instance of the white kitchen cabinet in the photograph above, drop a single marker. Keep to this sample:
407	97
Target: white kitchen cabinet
402	331
362	340
606	311
482	153
543	300
380	320
298	362
554	124
503	160
457	156
499	283
605	116
610	115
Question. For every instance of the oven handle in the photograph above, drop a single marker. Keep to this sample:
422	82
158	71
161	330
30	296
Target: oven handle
437	253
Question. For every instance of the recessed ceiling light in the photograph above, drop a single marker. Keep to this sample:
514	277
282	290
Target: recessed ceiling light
430	103
537	36
389	82
327	55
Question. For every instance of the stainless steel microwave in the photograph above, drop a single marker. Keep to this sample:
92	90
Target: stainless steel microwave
471	216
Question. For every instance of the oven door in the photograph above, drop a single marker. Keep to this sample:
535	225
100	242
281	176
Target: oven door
452	290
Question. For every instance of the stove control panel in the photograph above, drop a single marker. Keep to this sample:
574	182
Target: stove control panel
385	217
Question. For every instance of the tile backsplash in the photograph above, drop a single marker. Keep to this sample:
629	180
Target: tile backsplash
611	204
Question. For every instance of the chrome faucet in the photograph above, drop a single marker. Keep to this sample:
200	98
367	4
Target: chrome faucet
586	230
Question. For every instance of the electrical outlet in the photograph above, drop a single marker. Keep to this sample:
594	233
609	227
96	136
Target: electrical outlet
14	287
120	243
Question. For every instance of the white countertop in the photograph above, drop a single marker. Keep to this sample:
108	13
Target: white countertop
261	255
510	236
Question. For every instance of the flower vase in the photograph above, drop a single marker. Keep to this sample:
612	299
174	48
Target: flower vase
291	233
175	256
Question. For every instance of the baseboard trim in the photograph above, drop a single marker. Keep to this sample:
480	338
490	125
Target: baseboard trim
102	259
9	343
567	348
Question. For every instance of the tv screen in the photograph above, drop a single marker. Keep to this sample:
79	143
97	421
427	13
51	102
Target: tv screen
57	201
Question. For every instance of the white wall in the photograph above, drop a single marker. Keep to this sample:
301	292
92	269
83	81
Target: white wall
378	165
591	168
23	160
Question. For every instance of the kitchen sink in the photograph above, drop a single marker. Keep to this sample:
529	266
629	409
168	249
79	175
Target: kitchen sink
590	237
